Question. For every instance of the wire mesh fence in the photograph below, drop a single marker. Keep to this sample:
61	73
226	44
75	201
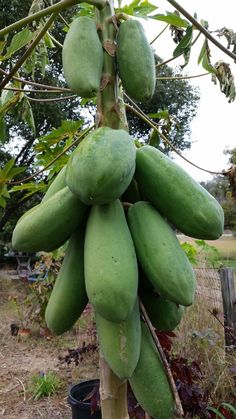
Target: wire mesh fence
206	314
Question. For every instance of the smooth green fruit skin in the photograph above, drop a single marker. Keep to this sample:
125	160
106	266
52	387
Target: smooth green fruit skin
135	59
111	273
68	298
82	57
149	381
58	183
182	200
120	342
160	255
50	224
102	166
165	315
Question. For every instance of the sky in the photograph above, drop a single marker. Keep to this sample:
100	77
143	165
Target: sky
213	128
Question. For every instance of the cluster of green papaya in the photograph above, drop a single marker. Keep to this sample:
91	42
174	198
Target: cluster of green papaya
82	58
116	206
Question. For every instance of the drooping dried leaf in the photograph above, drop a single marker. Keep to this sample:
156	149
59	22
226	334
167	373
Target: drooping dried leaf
226	79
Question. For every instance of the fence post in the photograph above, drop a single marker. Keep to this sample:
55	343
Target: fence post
229	305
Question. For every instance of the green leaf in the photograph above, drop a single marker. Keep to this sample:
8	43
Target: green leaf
7	168
184	46
4	108
172	19
18	41
2	202
218	414
154	139
3	130
185	42
144	9
48	41
160	115
230	407
31	187
204	58
67	129
7	94
27	114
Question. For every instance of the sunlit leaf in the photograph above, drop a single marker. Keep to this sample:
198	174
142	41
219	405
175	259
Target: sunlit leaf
144	9
160	115
204	58
18	41
31	187
172	19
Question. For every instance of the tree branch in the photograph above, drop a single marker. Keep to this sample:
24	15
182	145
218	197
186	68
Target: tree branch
47	100
55	8
33	83
29	50
135	109
202	29
55	159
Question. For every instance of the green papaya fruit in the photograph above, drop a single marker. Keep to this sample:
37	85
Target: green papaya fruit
149	381
135	59
178	197
82	57
160	255
50	224
165	315
111	273
102	166
57	184
120	342
68	298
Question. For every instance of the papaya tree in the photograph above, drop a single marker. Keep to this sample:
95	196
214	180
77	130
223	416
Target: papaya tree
115	196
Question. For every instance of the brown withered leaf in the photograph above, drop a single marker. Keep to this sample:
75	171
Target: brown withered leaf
231	175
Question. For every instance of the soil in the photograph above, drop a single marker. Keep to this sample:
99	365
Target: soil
26	355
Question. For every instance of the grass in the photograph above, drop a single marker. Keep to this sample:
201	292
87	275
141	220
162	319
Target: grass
44	385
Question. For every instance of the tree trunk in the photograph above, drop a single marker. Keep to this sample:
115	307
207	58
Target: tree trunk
113	393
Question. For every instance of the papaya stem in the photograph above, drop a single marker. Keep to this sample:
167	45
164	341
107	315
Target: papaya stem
109	110
55	8
112	393
180	412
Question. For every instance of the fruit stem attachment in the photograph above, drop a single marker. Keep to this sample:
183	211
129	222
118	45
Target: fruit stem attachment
109	112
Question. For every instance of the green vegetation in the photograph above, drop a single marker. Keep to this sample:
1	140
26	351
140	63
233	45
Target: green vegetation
44	385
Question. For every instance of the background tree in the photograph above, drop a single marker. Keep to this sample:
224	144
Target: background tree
25	125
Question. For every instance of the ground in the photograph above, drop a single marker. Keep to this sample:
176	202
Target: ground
24	356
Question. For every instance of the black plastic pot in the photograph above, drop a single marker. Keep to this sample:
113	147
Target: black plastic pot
81	408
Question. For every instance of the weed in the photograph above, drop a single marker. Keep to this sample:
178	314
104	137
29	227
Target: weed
44	385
